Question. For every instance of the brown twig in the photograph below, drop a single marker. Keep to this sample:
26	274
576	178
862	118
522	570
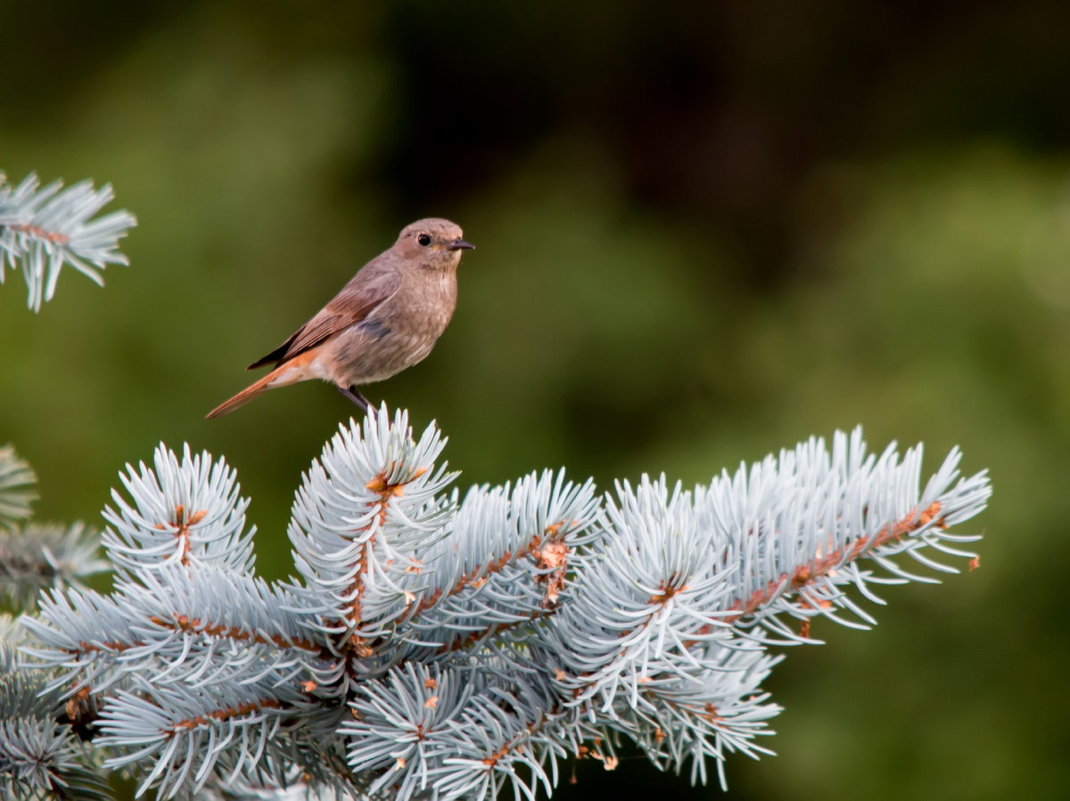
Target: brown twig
33	230
385	491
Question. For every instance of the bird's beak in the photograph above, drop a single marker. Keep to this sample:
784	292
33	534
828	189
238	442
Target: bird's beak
460	244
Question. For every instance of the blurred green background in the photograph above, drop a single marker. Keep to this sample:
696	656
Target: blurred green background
705	231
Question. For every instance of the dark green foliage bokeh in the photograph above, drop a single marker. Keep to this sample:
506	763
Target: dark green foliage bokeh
705	231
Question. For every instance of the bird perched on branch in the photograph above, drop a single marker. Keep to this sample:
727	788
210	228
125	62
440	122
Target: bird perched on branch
387	318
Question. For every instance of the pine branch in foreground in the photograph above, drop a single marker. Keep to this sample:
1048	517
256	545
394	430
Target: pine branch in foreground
41	754
44	228
446	646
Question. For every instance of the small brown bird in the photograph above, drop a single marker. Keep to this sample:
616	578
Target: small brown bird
387	318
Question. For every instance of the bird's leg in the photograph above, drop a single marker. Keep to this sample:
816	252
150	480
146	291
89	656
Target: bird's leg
354	395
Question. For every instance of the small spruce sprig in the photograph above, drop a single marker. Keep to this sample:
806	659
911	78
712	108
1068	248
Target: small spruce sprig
447	646
41	753
35	556
43	228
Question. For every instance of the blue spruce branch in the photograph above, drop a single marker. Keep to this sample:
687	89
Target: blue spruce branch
16	487
446	646
35	556
44	228
42	754
38	556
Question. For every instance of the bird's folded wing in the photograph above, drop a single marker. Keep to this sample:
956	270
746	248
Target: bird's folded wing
359	298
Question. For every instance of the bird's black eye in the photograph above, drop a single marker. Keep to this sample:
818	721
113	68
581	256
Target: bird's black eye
424	240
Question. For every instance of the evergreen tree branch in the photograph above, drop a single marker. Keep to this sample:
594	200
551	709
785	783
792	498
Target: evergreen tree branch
449	647
17	491
44	228
36	556
40	756
40	556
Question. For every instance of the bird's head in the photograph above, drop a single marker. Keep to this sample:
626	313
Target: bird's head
434	242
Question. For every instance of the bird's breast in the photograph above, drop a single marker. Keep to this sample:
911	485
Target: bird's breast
397	334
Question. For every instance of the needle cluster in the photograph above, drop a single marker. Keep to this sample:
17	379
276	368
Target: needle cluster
42	228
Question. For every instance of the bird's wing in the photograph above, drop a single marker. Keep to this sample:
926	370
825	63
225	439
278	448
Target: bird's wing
360	297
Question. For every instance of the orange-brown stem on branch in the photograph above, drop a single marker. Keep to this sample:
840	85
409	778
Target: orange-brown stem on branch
666	590
193	625
41	233
222	715
197	626
385	491
181	525
824	565
803	575
478	576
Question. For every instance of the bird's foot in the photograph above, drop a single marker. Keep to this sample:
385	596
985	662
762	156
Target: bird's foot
354	395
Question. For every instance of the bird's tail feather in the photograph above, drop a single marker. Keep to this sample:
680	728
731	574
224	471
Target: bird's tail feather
279	377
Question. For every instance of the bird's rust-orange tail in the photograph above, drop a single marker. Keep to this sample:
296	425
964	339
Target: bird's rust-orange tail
282	375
